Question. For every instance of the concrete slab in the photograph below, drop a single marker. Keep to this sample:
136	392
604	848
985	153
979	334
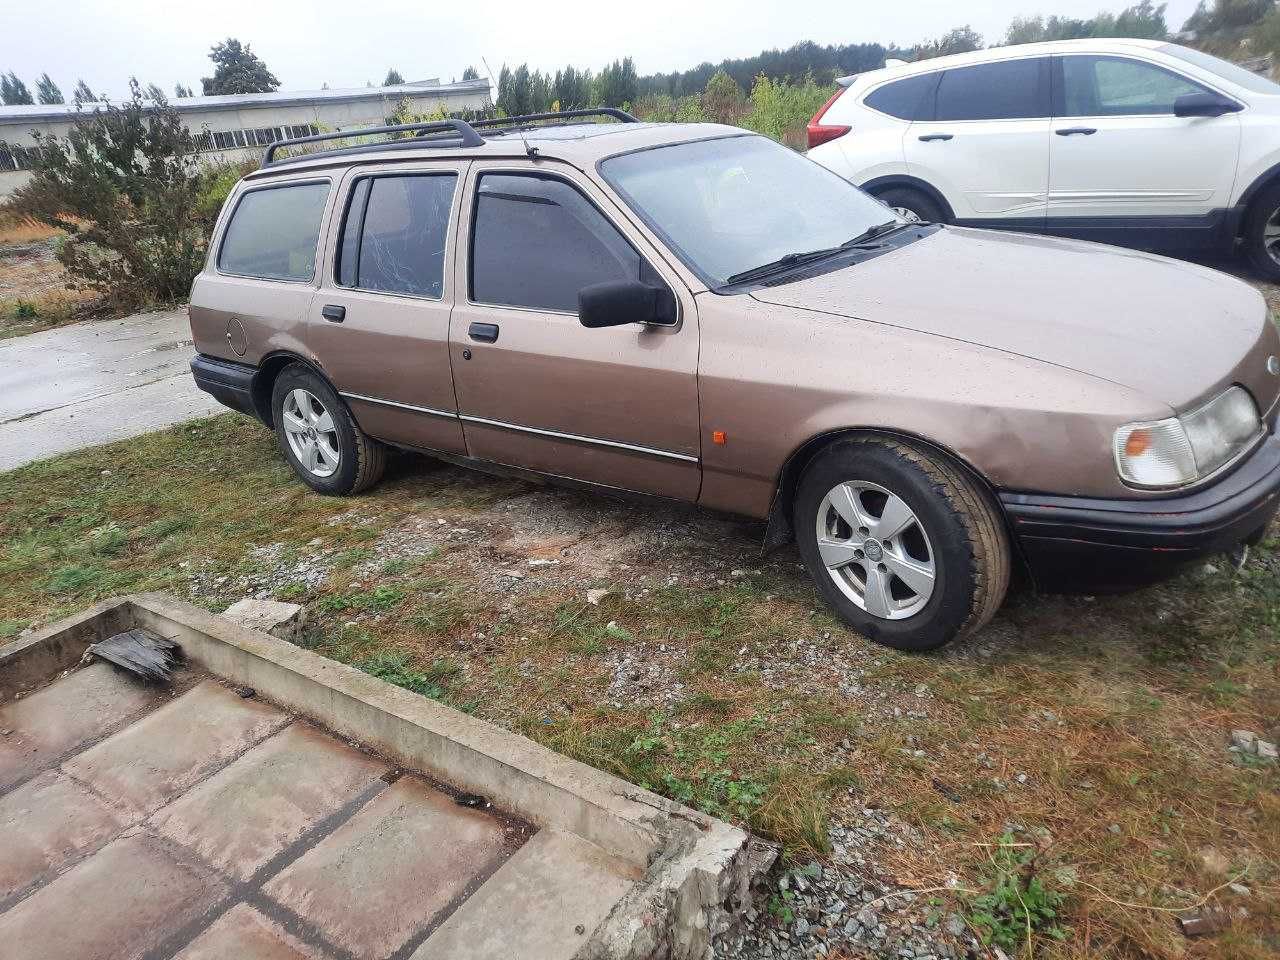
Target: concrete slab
283	620
248	812
149	763
242	933
123	901
562	886
59	717
92	383
381	877
45	823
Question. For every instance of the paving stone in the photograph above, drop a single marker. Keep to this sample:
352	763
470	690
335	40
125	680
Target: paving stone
242	933
44	823
117	905
559	883
53	720
151	762
252	809
382	875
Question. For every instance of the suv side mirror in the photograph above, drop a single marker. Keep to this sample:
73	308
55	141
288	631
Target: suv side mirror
1204	105
619	302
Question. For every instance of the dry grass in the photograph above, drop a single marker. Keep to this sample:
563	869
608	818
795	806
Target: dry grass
16	230
1116	712
35	292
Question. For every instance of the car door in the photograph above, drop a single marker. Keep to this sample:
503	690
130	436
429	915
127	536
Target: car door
1118	150
616	406
379	324
985	144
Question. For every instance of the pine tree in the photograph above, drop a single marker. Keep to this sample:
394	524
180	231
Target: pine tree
13	91
82	93
393	78
471	73
182	92
153	92
238	70
47	91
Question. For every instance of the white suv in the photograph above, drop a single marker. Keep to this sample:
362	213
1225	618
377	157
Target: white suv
1135	142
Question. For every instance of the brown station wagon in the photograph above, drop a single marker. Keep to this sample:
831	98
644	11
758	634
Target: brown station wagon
698	313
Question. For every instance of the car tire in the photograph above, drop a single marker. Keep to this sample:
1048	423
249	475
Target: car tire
1262	212
943	570
320	438
912	204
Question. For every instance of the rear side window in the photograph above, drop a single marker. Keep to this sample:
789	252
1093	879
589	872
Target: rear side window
1009	90
1117	87
273	233
538	241
394	234
904	98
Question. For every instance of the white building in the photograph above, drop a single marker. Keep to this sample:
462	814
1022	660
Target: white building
240	126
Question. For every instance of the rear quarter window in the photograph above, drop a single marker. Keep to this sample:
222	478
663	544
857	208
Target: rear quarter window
274	231
904	99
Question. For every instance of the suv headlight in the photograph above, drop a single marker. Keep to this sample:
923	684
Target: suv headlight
1182	450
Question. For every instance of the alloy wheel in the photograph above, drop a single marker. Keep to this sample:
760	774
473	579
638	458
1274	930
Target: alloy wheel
1271	236
876	550
311	432
907	214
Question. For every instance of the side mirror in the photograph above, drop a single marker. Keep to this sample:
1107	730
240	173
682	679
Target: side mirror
1204	105
620	302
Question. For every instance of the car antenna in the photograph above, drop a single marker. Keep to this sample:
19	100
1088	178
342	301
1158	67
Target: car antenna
531	152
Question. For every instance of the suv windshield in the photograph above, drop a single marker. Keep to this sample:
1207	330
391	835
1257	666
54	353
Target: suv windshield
730	205
1238	75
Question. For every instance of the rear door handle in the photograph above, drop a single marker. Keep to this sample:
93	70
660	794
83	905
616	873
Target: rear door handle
334	313
484	332
936	136
1072	131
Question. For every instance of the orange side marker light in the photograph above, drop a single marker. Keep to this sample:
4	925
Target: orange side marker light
718	437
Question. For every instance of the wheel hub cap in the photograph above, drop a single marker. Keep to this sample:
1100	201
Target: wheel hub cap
311	433
873	551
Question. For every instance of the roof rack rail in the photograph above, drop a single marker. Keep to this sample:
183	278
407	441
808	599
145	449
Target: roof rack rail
616	114
465	131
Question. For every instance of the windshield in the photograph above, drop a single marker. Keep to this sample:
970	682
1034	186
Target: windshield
729	205
1226	70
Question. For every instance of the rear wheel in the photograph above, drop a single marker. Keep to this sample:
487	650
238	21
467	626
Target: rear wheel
911	204
319	437
1262	233
905	547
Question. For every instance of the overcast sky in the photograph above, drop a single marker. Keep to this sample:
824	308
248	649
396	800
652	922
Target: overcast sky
344	44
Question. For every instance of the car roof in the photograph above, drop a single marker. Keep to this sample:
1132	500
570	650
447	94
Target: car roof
989	54
580	144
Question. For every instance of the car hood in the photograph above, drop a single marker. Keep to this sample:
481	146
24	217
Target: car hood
1171	330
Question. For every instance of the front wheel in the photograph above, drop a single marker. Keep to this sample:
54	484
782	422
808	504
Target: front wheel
319	437
1262	234
914	206
905	547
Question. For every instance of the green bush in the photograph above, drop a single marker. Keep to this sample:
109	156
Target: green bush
782	110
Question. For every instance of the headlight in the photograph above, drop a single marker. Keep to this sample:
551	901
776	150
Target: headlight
1181	450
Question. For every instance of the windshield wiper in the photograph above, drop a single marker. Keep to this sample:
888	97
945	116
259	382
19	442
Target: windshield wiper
793	259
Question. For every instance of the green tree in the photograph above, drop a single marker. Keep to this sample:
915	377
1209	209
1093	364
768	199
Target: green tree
13	91
47	91
237	69
82	93
393	78
125	185
958	40
471	73
153	92
182	92
571	88
723	100
617	84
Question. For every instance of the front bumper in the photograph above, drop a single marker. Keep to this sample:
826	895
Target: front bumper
1079	544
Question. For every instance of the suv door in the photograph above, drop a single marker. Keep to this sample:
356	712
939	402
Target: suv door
616	406
985	142
1119	151
379	325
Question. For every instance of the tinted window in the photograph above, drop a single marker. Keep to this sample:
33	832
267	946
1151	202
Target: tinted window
273	233
538	241
903	98
394	234
1011	90
1113	86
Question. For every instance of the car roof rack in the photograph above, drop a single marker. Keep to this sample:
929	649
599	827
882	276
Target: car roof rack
463	132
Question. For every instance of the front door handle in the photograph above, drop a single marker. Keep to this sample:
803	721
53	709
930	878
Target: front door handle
1072	131
928	137
334	313
483	332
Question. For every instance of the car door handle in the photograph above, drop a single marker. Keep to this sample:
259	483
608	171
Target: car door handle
333	313
1072	131
484	332
936	136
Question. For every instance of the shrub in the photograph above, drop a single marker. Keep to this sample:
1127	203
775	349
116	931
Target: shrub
125	186
782	110
722	100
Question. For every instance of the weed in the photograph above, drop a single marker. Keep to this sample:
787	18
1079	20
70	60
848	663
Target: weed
1020	900
378	600
395	668
25	310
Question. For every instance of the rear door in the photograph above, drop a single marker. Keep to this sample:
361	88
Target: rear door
1119	151
616	406
379	325
985	144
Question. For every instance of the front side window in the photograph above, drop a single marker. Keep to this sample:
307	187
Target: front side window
1008	90
731	204
394	234
1253	82
905	99
1118	87
273	233
537	241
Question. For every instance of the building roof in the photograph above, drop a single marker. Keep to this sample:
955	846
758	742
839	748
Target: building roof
247	101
